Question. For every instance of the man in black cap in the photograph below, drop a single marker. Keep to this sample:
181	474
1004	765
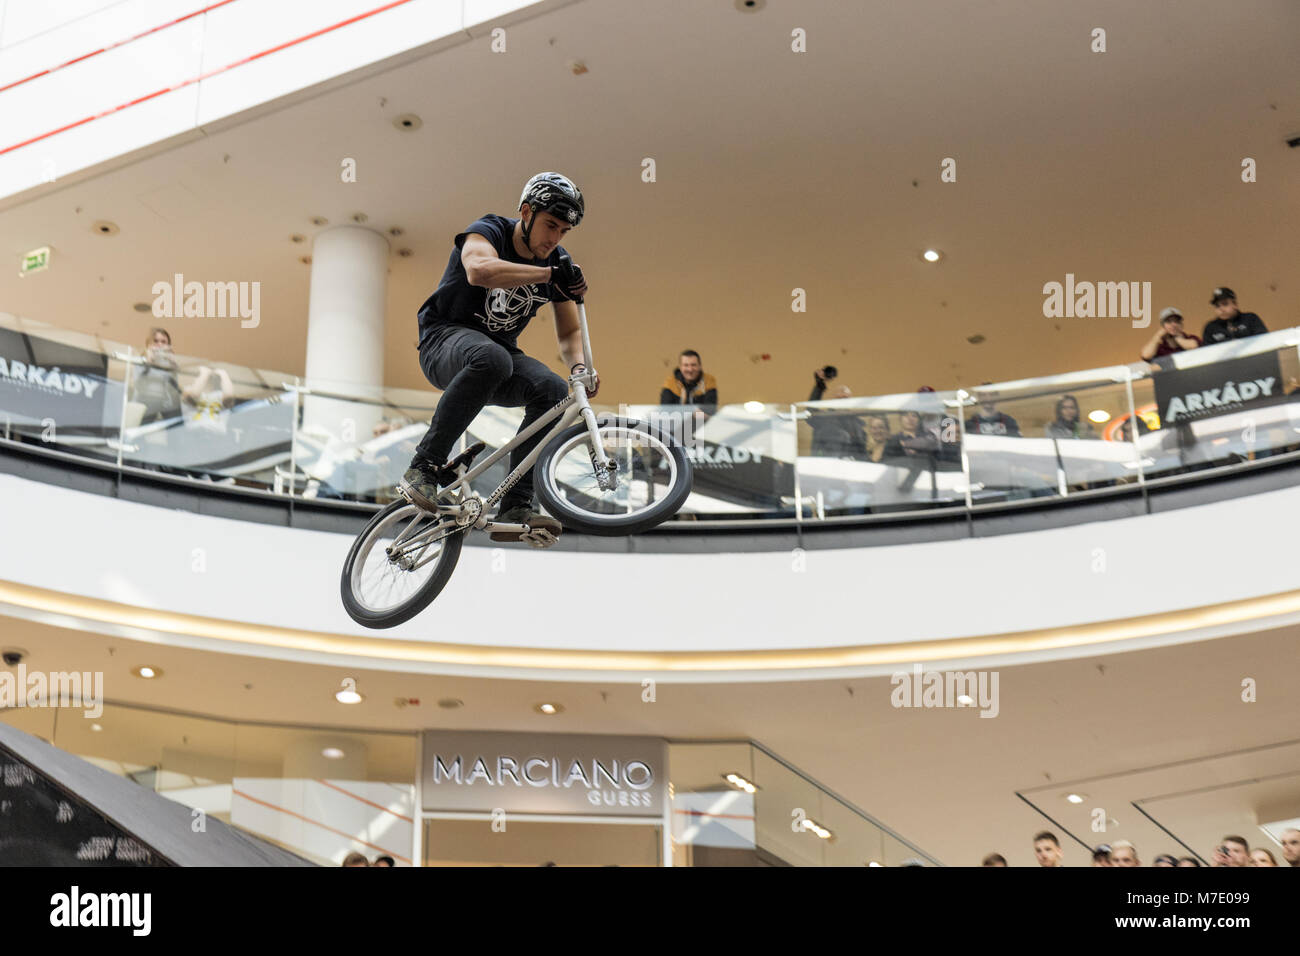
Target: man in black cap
1232	323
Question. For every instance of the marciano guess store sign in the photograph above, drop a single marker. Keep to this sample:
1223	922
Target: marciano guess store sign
544	773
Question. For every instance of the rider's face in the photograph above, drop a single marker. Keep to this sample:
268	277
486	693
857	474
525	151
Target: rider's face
547	231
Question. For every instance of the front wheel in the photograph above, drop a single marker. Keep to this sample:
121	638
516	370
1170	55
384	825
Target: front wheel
399	564
650	484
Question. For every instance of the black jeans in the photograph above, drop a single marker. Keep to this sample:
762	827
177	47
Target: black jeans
473	371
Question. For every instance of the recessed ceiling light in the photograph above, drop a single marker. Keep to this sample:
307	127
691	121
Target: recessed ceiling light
359	217
305	260
407	122
1099	415
549	709
142	307
975	339
102	227
750	6
450	703
348	697
147	672
297	237
966	700
932	255
96	727
332	753
319	221
405	253
395	231
1075	797
754	407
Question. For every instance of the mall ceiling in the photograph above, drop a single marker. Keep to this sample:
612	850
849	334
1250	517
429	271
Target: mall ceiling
774	171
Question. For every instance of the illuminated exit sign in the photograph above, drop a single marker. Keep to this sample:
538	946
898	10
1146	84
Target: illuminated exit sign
35	261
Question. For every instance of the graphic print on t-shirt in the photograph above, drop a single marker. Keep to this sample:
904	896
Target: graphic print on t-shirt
505	307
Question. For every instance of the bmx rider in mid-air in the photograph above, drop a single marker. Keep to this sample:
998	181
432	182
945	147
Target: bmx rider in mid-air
500	273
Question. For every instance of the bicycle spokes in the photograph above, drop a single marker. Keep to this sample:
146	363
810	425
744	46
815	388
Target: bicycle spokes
399	558
643	471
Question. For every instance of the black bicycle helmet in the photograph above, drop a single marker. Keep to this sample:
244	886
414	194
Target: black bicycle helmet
553	193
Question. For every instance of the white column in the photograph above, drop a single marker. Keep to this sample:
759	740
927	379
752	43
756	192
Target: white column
345	330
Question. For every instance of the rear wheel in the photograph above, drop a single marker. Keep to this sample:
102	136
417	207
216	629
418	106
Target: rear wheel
399	564
650	484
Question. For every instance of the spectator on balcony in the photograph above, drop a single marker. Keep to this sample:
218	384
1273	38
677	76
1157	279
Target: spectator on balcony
1188	861
835	435
1067	423
1232	323
1169	339
384	861
1263	857
994	859
1101	856
911	440
1291	846
989	421
1125	430
208	398
689	384
355	859
1166	860
1232	851
1047	849
154	383
1124	853
946	431
877	436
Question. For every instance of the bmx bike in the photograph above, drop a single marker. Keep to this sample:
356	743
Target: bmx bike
605	475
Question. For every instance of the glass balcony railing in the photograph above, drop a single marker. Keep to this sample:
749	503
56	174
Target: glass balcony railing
731	800
1058	437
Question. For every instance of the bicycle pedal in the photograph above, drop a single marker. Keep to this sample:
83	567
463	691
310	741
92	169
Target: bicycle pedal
540	538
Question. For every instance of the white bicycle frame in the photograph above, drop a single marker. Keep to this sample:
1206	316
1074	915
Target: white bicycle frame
469	504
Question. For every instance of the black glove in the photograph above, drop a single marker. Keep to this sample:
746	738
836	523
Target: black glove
568	279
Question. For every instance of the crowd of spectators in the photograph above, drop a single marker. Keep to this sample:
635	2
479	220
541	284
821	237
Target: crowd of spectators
855	434
359	859
1231	851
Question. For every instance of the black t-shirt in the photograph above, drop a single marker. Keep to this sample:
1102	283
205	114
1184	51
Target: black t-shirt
1000	424
1243	325
500	314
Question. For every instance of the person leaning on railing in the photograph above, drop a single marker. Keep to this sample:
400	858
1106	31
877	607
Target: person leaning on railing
1232	323
689	384
1169	338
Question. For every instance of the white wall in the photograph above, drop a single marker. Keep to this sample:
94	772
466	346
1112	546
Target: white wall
172	560
88	96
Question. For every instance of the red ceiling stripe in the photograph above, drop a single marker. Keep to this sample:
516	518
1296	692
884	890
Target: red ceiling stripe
114	46
204	76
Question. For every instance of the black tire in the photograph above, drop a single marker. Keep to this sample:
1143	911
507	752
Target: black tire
398	514
593	521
